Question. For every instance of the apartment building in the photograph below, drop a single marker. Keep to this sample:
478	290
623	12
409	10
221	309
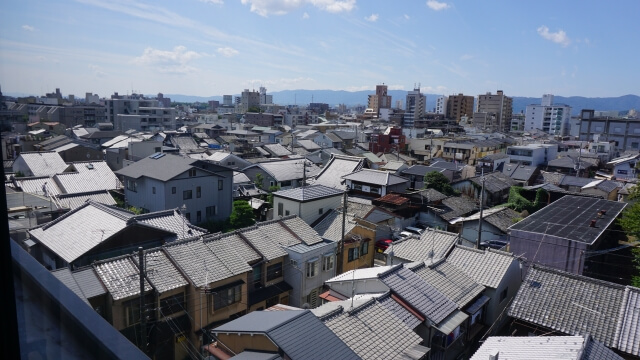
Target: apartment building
548	117
497	109
458	106
415	107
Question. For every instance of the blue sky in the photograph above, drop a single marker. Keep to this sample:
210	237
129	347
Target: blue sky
216	47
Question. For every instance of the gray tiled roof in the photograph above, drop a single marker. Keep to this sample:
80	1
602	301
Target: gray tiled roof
169	220
268	240
121	277
73	201
308	145
432	245
338	166
423	297
88	281
66	277
284	329
376	177
500	217
204	266
302	230
569	218
34	185
308	193
290	169
568	180
552	177
487	267
161	272
457	206
451	281
495	182
255	355
330	227
163	168
276	149
571	304
398	310
43	163
90	176
233	241
372	331
543	348
628	333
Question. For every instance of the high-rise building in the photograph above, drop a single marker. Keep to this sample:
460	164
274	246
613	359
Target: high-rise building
380	100
248	99
227	100
137	112
415	107
458	106
264	98
497	107
548	117
441	105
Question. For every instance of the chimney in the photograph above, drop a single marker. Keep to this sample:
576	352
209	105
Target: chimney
592	223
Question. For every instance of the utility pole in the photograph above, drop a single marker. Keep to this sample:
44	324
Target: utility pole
143	320
344	224
483	179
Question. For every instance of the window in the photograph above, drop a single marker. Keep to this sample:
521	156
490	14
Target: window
220	183
227	295
503	294
198	191
172	304
293	263
327	262
274	271
187	195
153	190
271	183
210	211
312	267
273	301
131	312
192	172
188	216
280	209
173	190
199	216
286	213
285	183
132	185
364	250
353	254
320	211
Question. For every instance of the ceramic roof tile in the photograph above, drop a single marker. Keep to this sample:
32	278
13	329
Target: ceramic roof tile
233	241
457	206
628	333
372	331
171	221
37	185
161	272
162	168
277	149
309	193
121	277
487	267
431	246
451	281
303	230
330	227
89	176
376	177
542	348
291	169
423	297
399	311
571	304
267	242
43	163
73	201
88	281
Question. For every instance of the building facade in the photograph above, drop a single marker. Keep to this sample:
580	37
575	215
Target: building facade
548	117
415	107
497	107
458	106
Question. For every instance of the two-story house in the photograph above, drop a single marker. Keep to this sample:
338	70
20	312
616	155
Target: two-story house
203	191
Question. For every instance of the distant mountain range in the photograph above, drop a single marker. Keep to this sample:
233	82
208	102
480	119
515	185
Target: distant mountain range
350	98
334	97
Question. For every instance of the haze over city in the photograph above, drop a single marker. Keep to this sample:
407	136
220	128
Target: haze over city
215	47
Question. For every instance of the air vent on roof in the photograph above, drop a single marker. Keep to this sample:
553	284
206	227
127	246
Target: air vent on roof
157	155
90	166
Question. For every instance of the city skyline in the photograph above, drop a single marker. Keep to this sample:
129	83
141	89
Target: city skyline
216	47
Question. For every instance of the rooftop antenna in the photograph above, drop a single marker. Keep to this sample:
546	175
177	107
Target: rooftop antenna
483	179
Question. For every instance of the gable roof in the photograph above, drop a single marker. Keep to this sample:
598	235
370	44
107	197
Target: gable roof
377	177
162	167
451	281
431	246
338	166
121	277
73	201
330	227
579	305
569	218
518	171
500	217
284	329
160	271
290	169
487	267
43	163
544	347
308	193
456	206
277	150
308	144
423	297
495	182
87	176
605	185
372	331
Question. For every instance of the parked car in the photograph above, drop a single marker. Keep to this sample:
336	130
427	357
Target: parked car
382	245
494	244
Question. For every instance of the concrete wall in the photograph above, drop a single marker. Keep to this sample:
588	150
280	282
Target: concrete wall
307	211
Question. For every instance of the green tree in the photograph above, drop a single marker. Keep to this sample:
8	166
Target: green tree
272	189
439	182
259	180
242	214
630	223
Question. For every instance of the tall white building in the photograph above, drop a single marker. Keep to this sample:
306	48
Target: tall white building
441	105
139	113
415	107
548	117
264	98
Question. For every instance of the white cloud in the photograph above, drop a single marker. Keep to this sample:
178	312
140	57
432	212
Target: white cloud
372	18
281	7
406	17
216	2
559	37
437	6
97	71
395	87
169	61
305	16
440	89
28	28
466	57
228	51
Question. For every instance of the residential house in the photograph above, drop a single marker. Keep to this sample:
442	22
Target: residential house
569	228
307	202
95	231
158	182
391	139
496	188
394	166
276	334
277	151
285	174
533	154
523	175
338	166
39	164
569	165
492	162
605	189
243	187
578	305
429	247
375	183
498	271
329	140
442	214
102	136
228	159
349	138
625	167
583	347
495	224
